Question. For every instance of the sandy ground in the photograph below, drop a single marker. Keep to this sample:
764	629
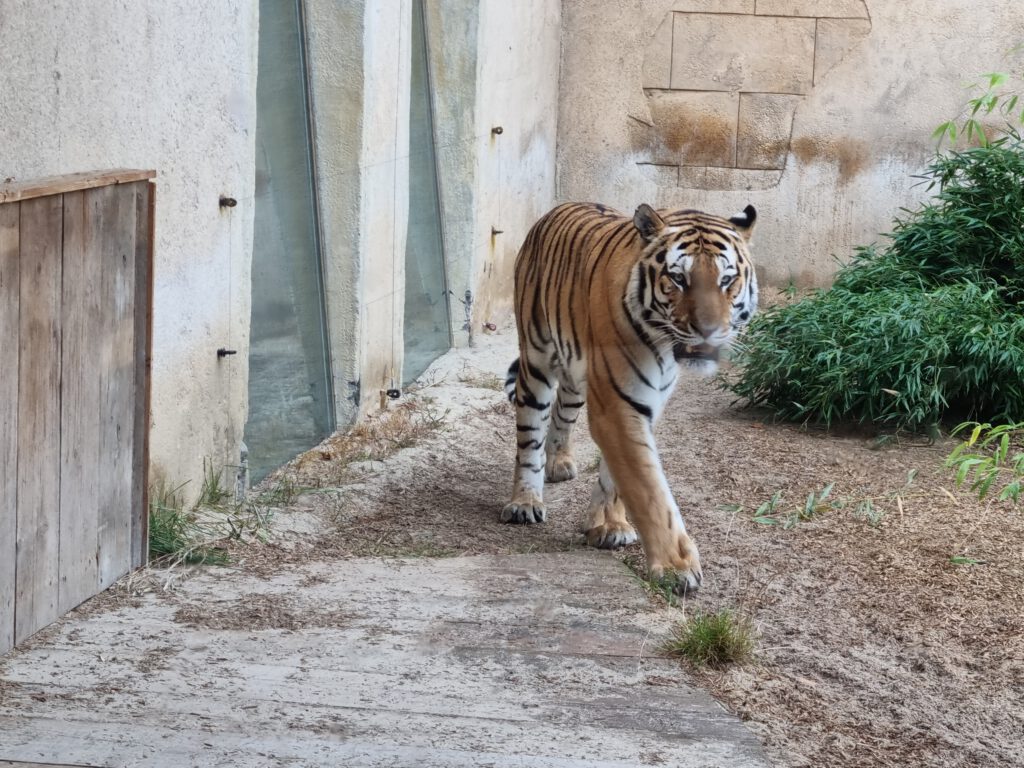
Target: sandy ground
875	648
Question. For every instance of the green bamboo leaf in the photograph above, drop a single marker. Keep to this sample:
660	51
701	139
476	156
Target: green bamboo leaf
959	560
976	433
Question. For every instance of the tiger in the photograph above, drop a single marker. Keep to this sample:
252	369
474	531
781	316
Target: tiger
608	308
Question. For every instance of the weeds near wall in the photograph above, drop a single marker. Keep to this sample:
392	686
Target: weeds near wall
200	534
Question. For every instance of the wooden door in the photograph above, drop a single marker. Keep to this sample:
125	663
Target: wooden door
75	308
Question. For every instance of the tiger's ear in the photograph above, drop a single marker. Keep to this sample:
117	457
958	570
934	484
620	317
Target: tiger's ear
744	222
647	222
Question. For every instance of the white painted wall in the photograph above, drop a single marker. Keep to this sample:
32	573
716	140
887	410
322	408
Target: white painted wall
360	68
493	64
517	88
384	209
169	86
336	72
858	134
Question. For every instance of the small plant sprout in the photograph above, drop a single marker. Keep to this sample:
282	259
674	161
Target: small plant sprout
713	638
867	510
768	513
990	460
764	514
816	502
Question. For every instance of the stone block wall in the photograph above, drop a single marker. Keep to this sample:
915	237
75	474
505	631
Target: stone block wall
723	81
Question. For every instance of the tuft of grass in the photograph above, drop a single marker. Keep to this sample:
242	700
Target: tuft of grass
664	589
175	537
713	639
869	512
182	535
213	492
924	328
282	493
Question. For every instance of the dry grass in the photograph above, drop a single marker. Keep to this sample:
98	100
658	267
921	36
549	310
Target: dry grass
201	534
381	435
480	380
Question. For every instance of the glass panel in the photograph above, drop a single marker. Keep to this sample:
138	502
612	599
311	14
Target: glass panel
290	401
427	326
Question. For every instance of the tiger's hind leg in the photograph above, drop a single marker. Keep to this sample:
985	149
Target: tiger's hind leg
606	526
560	464
532	395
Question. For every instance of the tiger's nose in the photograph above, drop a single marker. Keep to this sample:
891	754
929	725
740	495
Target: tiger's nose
707	331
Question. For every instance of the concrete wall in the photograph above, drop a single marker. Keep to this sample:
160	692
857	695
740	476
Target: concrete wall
494	64
359	69
517	88
816	111
168	86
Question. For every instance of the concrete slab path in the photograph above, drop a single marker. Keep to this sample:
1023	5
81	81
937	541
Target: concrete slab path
539	661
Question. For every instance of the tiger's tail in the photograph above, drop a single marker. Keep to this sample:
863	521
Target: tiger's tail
510	380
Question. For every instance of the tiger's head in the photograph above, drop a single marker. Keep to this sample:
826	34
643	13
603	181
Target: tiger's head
695	281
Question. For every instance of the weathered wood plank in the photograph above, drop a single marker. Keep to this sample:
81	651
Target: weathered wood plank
113	212
9	332
81	314
144	210
38	416
73	182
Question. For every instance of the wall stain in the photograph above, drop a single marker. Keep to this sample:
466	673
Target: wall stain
851	156
702	139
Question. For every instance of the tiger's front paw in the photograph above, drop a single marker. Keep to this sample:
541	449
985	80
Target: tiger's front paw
678	568
525	510
611	535
560	467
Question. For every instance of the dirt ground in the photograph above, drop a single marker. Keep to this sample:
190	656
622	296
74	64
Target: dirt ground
875	647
